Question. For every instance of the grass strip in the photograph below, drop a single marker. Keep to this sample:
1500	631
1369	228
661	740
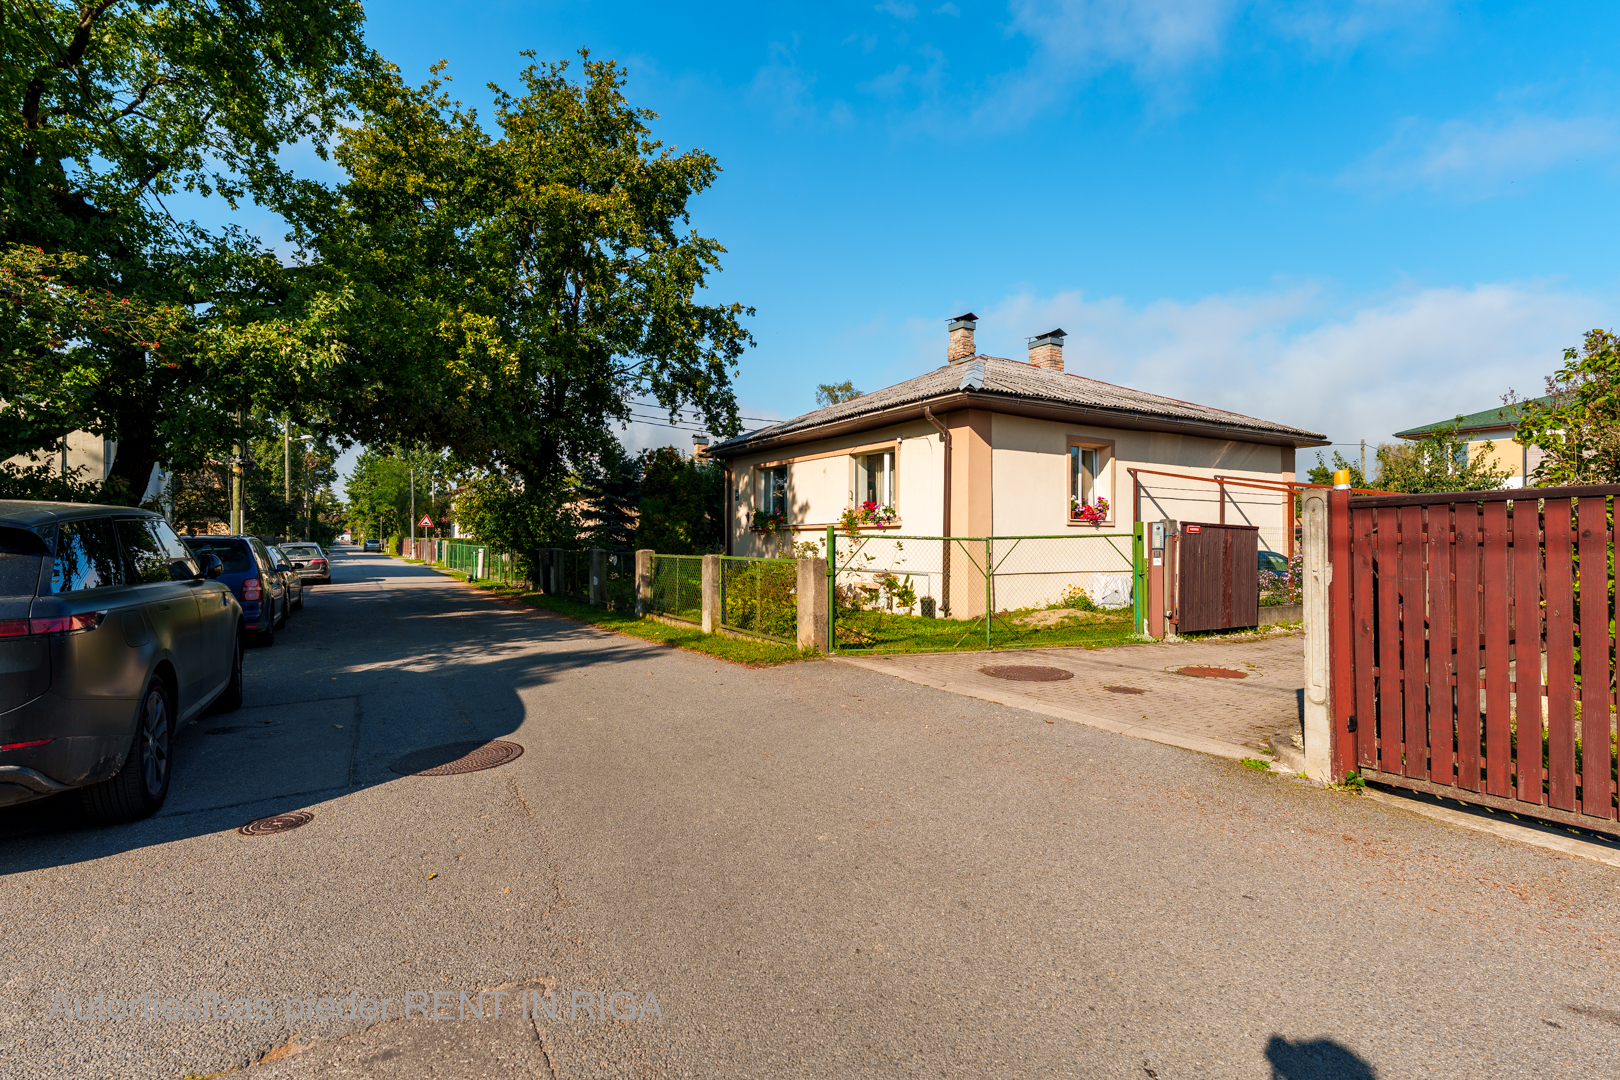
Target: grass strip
743	651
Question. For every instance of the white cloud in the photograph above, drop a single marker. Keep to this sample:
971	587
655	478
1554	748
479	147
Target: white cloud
1481	158
1295	355
1146	34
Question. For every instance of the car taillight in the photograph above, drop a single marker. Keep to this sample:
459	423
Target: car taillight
250	589
23	745
64	624
317	562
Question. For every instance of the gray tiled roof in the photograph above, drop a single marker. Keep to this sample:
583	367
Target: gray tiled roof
997	377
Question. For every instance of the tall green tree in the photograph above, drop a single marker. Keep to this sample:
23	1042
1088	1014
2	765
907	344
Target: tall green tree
682	505
508	294
107	109
1578	430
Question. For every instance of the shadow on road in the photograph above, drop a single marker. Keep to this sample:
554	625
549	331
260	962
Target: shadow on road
367	673
1315	1059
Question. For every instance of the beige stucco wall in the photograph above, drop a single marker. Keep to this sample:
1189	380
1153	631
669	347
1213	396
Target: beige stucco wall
89	457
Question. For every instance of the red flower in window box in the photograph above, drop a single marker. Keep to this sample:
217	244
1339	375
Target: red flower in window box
1089	513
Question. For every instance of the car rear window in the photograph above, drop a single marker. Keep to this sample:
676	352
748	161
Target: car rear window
302	551
21	553
86	556
233	553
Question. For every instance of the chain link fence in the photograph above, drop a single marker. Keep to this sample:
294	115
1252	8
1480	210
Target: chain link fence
931	593
677	587
478	561
759	596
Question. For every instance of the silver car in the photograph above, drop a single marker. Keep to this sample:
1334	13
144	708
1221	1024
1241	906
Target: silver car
112	634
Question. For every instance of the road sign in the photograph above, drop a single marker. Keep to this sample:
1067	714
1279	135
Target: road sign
426	522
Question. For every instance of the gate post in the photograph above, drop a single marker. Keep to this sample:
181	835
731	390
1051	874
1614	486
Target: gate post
644	580
811	602
711	593
1318	574
598	583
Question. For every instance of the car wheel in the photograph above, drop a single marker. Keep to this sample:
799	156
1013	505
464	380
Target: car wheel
230	699
282	622
140	787
299	605
267	636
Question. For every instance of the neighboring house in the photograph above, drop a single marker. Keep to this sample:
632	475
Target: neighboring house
1029	443
89	458
1490	431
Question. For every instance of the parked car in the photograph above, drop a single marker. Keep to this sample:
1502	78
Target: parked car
112	634
371	545
252	576
309	560
291	579
1273	563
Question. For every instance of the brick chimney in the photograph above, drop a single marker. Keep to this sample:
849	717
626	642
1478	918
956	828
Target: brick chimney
961	346
1047	350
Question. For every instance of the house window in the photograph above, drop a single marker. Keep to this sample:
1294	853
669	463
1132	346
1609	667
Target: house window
874	479
773	484
1088	487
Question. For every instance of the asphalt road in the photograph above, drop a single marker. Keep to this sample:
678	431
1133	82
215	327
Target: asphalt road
811	870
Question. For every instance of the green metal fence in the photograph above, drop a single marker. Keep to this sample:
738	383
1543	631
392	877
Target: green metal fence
677	586
478	561
929	593
759	596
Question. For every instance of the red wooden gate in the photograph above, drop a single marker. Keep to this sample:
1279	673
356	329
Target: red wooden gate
1445	611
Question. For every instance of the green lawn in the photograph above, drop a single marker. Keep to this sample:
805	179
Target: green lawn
869	632
736	650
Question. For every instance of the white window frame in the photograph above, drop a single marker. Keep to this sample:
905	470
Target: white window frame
1102	483
886	492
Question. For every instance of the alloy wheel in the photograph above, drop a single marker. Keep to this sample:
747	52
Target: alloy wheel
155	742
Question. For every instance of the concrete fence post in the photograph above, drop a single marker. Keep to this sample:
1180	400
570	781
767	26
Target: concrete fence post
1318	573
711	593
644	580
811	601
598	577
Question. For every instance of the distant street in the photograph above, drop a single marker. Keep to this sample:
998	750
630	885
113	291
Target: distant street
808	871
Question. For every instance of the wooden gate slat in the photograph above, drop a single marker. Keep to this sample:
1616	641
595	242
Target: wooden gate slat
1597	788
1526	585
1466	560
1413	617
1560	614
1498	732
1365	617
1442	728
1388	653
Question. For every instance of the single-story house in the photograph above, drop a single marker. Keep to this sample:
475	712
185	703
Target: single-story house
987	446
1490	431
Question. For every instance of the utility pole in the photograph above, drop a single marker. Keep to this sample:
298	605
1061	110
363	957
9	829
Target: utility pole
1363	461
236	479
286	465
413	511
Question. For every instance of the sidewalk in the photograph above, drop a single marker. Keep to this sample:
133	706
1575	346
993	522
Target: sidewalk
1228	717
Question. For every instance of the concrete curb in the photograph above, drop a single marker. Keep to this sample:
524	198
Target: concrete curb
1543	836
1018	701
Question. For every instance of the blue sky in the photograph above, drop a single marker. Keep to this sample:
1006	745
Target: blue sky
1350	215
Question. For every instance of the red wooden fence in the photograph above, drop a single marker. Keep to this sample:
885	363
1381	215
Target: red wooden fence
1472	645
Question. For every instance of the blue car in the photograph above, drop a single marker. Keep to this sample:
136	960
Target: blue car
1272	562
251	573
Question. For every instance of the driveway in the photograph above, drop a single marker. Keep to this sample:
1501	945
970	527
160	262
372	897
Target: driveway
1227	696
807	871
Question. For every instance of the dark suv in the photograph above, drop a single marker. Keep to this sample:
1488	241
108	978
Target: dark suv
111	636
250	571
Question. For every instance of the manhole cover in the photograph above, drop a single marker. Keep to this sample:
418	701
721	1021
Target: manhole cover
280	823
454	758
1212	673
1123	690
1026	673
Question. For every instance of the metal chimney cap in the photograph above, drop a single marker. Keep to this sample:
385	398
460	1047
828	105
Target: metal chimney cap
1054	336
962	322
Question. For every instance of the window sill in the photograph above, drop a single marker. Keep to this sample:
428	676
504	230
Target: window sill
1074	524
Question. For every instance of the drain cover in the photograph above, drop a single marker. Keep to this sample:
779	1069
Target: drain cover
1212	673
454	758
1123	690
280	823
1026	673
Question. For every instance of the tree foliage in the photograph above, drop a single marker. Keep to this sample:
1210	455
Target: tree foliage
1578	430
1440	461
835	393
683	503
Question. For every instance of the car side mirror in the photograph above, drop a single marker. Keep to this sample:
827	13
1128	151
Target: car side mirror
212	567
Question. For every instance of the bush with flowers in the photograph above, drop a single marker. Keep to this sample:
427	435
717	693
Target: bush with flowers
769	521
